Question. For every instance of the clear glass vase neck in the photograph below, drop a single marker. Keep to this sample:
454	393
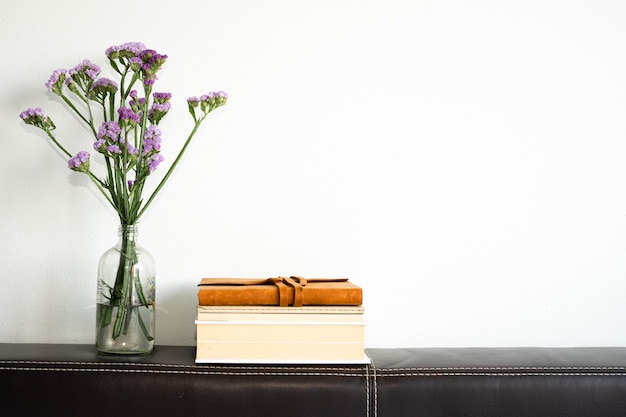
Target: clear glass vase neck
128	231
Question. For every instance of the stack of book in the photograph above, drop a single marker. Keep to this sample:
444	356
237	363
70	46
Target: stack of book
281	321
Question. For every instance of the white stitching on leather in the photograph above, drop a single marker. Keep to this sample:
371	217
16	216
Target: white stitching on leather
164	371
174	371
178	369
375	383
367	387
509	374
510	368
316	371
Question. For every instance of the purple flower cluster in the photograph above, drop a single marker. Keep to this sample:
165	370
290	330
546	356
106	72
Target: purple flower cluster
153	161
114	149
55	82
193	101
105	83
136	103
82	76
31	113
102	87
126	50
109	131
135	63
35	117
85	69
151	146
127	118
138	58
152	140
160	107
79	162
128	115
162	97
109	140
219	95
213	100
207	102
152	62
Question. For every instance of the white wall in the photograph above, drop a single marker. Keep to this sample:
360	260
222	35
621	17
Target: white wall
462	161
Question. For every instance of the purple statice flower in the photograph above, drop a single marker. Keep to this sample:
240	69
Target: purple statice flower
131	184
214	95
152	60
149	81
152	140
102	86
136	102
71	85
153	161
128	115
100	145
79	162
110	140
151	132
131	149
193	101
135	63
86	68
104	82
160	107
31	113
109	131
157	111
55	82
212	101
35	117
126	50
207	96
151	64
113	149
161	97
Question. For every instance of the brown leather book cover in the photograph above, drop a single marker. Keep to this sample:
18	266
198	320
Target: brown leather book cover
280	291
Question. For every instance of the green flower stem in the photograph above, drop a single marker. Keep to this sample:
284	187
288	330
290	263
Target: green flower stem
144	122
144	329
78	113
171	169
121	293
124	92
90	174
111	107
90	123
56	142
98	184
110	184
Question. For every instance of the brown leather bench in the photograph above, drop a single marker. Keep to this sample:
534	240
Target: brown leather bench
71	380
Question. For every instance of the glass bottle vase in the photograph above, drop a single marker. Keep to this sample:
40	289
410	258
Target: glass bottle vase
125	313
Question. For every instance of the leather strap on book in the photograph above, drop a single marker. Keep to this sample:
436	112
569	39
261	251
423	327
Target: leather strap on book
283	284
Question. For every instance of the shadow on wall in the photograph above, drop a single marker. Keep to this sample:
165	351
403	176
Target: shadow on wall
176	310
